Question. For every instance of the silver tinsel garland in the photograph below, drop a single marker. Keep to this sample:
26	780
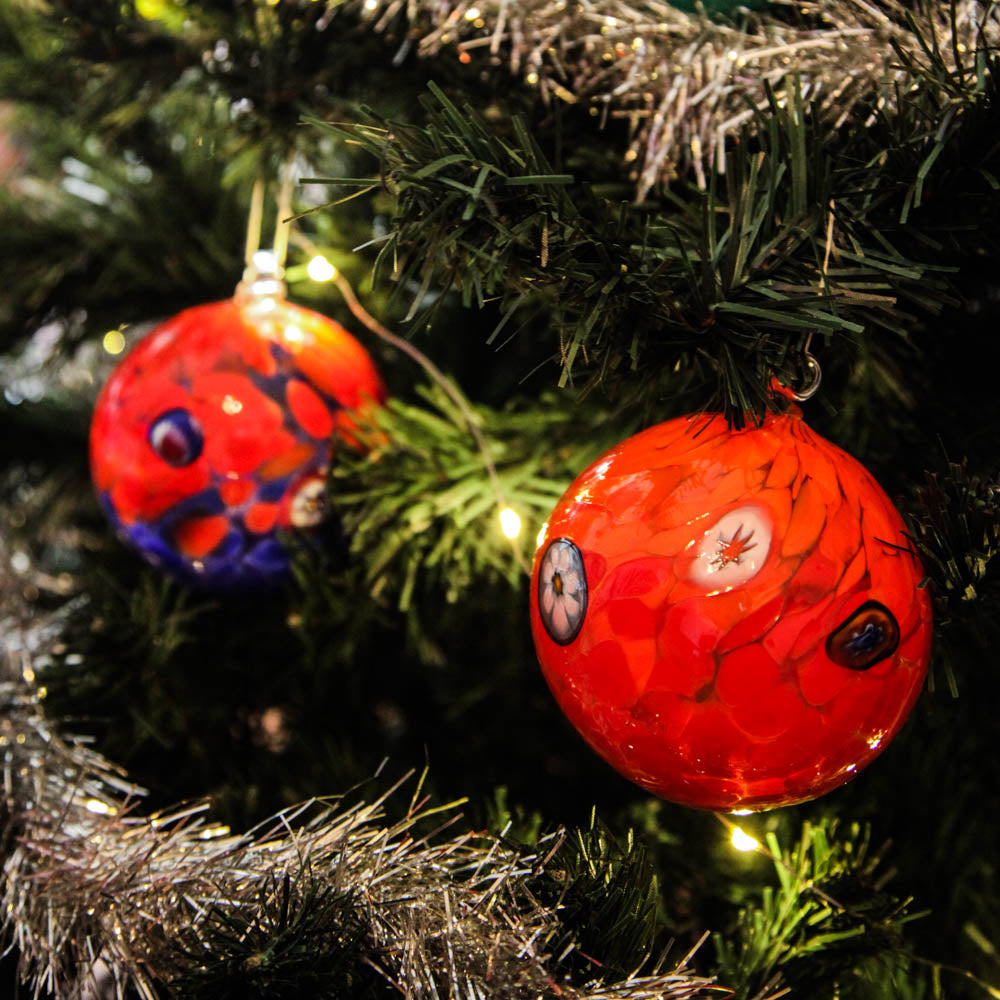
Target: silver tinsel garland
685	84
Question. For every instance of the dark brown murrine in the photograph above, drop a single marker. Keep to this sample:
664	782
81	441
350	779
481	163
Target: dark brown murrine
866	636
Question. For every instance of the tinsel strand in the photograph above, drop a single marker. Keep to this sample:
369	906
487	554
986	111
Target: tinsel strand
686	84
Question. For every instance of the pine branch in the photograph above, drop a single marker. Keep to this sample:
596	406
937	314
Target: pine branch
145	132
420	508
607	895
955	519
301	936
722	284
733	279
828	915
162	237
110	66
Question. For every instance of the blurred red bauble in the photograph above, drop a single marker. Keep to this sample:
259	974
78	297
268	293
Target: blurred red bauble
214	435
732	619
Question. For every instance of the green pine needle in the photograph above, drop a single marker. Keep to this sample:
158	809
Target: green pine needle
607	896
955	520
302	938
421	508
732	280
828	914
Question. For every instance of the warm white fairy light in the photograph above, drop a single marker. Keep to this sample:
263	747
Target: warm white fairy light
99	808
320	269
743	841
214	831
510	522
113	342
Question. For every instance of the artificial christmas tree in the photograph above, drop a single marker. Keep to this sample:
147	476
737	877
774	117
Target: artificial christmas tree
551	226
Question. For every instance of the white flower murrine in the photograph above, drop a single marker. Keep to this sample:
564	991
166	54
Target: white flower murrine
308	506
562	591
733	550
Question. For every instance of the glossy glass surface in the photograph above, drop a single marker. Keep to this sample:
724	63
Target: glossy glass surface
753	632
215	433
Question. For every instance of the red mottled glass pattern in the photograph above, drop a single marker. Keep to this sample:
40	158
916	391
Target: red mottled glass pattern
214	434
731	619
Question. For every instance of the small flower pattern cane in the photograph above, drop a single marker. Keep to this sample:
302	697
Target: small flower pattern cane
562	591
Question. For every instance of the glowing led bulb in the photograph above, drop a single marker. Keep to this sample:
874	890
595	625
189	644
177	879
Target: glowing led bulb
510	522
320	269
99	808
743	841
113	342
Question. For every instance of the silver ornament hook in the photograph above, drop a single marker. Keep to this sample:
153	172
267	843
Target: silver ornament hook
814	375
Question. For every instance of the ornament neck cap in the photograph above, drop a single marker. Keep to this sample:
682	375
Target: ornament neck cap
262	277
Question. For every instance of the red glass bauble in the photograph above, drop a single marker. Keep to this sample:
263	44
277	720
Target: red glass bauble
214	435
732	619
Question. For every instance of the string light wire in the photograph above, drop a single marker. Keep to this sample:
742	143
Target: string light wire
446	384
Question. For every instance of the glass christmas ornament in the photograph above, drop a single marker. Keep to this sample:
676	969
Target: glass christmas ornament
732	619
214	435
